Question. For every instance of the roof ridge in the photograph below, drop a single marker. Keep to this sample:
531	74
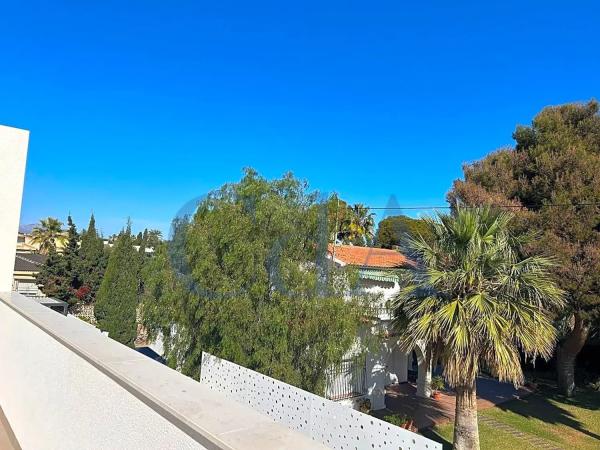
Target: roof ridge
32	261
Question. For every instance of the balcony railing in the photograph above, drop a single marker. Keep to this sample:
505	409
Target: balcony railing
380	312
347	380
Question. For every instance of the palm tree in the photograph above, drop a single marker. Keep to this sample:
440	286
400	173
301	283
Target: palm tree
476	299
48	234
359	226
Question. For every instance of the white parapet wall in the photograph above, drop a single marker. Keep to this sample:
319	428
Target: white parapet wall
54	399
64	385
324	421
13	156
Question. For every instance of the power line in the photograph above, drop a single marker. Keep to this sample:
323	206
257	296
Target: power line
552	205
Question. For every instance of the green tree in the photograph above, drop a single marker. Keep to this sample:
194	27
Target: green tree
92	261
350	224
392	231
117	299
54	277
253	290
552	178
48	234
71	260
475	298
58	276
152	238
359	226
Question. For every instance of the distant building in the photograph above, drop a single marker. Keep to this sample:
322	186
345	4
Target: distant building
25	242
27	266
388	365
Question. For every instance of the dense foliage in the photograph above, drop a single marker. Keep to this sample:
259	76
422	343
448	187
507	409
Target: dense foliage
148	238
349	224
552	176
117	299
392	231
91	263
475	301
74	275
252	285
54	279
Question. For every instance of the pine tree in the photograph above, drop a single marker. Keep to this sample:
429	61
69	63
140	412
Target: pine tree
92	261
117	299
71	261
152	238
54	277
58	276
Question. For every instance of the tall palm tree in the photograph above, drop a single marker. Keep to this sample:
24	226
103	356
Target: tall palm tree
476	299
48	234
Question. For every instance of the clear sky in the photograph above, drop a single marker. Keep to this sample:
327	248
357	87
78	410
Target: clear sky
135	107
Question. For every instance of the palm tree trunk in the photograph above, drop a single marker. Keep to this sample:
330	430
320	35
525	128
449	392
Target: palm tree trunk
466	432
567	354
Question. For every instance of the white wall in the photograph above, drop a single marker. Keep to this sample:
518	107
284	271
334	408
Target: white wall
396	362
13	155
54	399
325	421
63	385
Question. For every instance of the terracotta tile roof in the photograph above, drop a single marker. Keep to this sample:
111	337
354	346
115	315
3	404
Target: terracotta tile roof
367	256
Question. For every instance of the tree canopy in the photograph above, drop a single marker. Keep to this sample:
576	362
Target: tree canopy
93	258
117	299
48	234
75	274
393	231
476	300
350	224
552	179
252	285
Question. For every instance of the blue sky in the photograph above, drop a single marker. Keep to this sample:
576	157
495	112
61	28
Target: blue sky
136	107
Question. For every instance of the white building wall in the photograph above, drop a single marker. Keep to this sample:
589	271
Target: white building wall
13	155
396	362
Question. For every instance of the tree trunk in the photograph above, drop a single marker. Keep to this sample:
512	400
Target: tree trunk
567	354
466	432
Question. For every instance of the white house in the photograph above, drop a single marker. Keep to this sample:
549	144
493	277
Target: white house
389	365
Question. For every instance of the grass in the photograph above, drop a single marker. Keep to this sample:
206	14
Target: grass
564	422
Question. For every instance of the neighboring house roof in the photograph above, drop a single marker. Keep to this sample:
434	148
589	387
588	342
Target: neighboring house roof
367	256
30	262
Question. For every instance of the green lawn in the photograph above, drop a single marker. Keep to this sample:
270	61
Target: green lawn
564	422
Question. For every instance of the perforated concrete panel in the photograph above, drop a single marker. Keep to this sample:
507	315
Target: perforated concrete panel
325	421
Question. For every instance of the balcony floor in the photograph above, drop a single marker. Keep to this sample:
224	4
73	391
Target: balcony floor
6	435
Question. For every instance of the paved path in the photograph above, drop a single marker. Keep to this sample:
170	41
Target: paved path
427	412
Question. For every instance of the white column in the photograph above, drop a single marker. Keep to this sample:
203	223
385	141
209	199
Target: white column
13	155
